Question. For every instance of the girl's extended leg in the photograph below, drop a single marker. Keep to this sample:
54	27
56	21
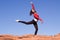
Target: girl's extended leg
36	28
30	22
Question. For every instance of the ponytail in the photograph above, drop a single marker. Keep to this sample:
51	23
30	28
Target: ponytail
31	12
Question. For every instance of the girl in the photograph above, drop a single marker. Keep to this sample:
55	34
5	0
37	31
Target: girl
34	21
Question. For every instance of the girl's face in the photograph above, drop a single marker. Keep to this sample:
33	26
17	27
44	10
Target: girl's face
33	10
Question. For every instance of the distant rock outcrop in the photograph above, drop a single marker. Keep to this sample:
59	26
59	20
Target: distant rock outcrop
30	37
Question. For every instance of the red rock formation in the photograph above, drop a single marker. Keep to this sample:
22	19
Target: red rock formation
30	37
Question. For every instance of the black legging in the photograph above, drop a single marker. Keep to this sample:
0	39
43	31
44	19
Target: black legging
32	22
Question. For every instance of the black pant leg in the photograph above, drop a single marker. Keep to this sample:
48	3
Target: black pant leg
30	22
36	28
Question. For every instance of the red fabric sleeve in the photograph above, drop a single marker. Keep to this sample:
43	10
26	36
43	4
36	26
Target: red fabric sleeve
33	6
40	19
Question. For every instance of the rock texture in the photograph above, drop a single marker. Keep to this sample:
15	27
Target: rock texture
30	37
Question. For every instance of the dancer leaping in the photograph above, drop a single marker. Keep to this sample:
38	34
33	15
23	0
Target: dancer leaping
34	21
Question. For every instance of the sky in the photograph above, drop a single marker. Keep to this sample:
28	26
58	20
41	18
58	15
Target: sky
11	10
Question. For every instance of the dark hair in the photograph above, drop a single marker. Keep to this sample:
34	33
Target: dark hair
31	12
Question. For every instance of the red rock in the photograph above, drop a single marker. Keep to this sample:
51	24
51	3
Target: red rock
30	37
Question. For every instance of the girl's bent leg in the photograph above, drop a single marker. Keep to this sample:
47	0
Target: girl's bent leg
36	28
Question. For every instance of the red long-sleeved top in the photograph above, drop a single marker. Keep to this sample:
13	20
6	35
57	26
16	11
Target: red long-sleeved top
36	16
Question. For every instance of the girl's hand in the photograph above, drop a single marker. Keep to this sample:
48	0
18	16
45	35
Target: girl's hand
31	2
42	22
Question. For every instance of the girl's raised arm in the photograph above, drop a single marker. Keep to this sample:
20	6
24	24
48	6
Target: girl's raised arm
32	6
